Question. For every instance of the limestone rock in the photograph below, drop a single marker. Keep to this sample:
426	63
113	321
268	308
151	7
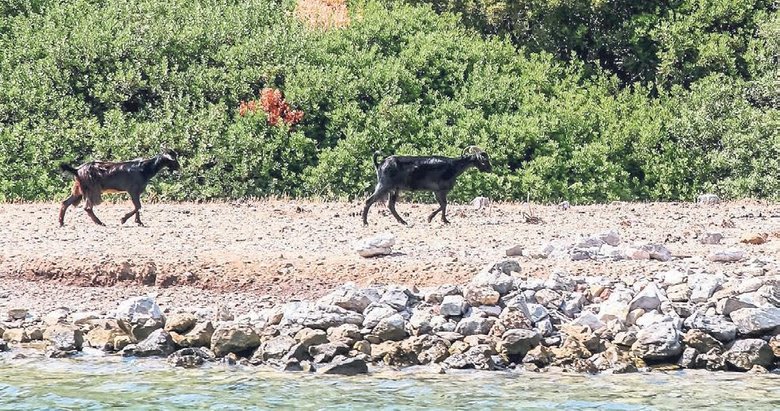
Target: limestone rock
348	334
726	256
647	299
308	337
190	357
391	328
520	342
717	326
199	336
474	325
745	354
350	297
326	352
233	338
275	348
708	199
321	317
657	342
136	309
180	322
344	366
751	321
481	295
158	343
495	277
711	238
376	313
380	244
64	337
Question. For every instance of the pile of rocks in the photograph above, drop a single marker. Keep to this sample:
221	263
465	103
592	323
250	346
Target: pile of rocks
501	319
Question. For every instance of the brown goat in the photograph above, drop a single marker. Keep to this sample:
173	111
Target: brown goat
97	177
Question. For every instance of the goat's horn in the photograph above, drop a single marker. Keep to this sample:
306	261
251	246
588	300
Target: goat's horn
472	150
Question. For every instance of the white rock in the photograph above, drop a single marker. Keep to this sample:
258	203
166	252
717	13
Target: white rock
636	253
537	312
703	286
750	285
380	244
589	319
616	306
756	320
480	203
375	313
648	299
658	252
726	256
650	318
674	277
711	238
452	305
708	199
138	308
610	237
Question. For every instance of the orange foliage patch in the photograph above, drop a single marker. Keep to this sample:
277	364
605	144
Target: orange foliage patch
325	14
273	104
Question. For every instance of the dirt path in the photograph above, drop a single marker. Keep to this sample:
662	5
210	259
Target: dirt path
303	249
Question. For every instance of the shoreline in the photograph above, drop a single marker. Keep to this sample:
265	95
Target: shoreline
611	288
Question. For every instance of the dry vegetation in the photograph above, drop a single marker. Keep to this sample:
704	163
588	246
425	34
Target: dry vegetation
323	14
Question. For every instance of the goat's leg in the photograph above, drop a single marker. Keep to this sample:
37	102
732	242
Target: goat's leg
441	198
391	205
72	200
136	199
371	200
92	215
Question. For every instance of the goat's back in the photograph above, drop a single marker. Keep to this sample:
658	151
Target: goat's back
433	173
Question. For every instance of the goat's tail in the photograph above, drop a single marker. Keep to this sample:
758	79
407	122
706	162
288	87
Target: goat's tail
376	157
68	169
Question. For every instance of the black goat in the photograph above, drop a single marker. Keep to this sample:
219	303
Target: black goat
97	177
436	174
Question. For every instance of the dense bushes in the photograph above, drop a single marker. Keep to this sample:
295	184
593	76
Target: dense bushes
113	79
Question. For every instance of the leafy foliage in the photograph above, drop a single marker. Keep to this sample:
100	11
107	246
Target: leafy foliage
584	101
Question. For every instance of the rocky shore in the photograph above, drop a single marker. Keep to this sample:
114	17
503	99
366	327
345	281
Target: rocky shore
502	319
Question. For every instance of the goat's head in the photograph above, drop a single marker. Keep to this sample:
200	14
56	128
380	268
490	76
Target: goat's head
169	158
479	157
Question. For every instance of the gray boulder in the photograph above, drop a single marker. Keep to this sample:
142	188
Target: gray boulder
475	325
190	357
396	298
158	344
344	366
753	321
233	338
391	328
519	342
660	341
745	354
496	279
376	313
717	326
64	337
647	299
453	305
326	352
350	297
275	348
320	317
